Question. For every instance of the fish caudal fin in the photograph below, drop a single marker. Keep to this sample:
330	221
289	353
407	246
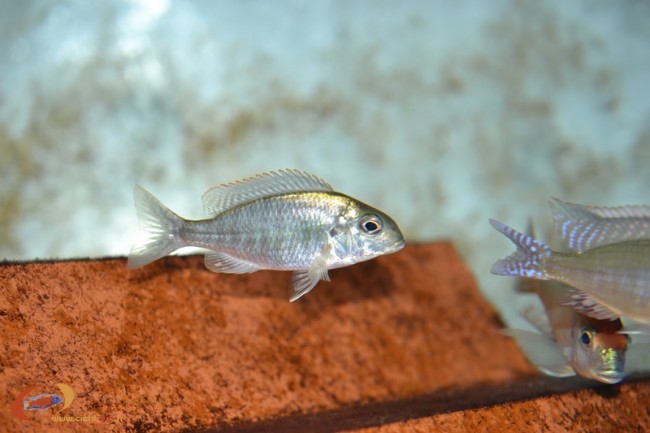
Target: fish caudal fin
158	227
528	261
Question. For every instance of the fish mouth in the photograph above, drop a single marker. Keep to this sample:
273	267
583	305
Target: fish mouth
610	377
396	246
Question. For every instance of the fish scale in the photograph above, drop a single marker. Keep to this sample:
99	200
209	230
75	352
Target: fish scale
279	232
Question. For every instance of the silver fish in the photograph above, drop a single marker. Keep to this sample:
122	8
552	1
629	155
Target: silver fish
571	342
607	281
286	220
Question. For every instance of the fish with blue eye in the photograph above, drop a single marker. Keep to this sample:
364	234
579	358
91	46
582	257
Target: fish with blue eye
41	401
568	342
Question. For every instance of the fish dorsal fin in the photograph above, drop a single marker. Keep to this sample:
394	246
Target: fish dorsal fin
224	197
629	211
585	227
585	304
543	352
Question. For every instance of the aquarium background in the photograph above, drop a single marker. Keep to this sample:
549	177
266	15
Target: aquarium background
443	114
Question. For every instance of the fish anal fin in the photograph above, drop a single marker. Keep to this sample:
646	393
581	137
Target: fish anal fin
224	197
543	352
585	304
219	262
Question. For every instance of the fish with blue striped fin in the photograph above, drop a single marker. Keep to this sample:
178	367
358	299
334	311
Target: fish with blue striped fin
609	277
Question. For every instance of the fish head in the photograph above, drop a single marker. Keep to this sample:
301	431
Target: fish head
363	232
599	351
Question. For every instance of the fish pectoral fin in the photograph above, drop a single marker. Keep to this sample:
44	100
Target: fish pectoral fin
542	351
219	262
634	328
585	304
305	280
637	358
537	317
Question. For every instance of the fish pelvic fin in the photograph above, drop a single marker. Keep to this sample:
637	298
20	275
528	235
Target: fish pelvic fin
158	235
219	262
528	261
542	351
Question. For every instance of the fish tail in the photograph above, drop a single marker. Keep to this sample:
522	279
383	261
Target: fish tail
159	226
528	261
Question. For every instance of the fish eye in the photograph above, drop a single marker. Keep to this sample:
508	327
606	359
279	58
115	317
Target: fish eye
585	338
370	224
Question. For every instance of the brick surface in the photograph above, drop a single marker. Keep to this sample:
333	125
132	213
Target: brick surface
174	347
